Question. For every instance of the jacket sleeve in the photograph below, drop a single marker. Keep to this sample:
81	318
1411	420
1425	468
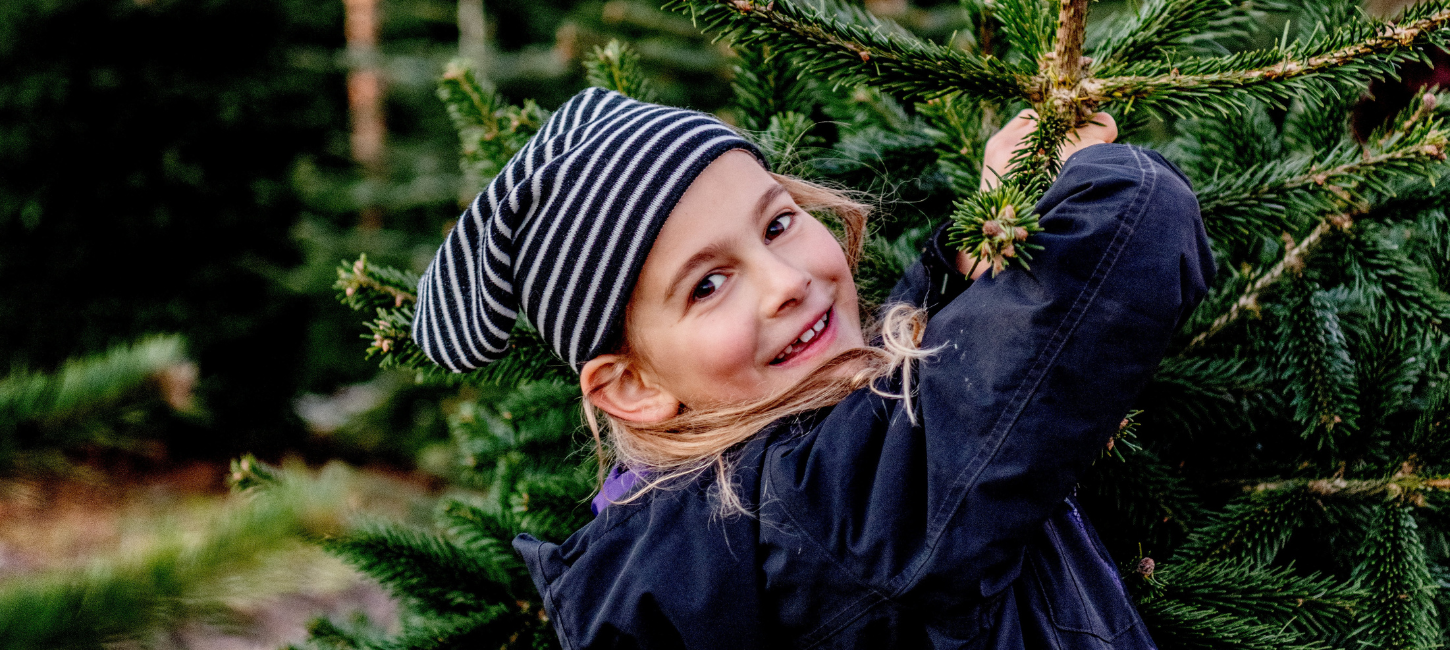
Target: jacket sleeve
1033	371
933	281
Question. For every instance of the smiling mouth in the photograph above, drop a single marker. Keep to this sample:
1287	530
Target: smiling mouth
804	339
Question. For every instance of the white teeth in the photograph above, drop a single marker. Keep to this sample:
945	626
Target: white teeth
805	338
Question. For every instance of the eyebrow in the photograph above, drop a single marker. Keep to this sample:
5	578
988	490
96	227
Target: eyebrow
767	198
715	250
697	260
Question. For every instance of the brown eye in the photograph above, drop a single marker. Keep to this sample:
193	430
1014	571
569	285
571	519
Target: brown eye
777	227
709	285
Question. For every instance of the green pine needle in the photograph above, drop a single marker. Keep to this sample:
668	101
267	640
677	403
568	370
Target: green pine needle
426	569
847	45
616	67
994	227
1400	612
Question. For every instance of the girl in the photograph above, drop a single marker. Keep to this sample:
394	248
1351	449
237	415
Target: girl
803	489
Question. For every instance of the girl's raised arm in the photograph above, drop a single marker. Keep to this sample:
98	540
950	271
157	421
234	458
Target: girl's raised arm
1034	373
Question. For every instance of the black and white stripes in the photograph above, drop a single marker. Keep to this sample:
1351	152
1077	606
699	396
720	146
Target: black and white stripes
562	232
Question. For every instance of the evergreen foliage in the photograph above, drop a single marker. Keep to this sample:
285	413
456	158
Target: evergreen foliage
43	414
146	186
138	599
1287	470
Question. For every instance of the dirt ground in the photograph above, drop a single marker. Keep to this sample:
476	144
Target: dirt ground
88	516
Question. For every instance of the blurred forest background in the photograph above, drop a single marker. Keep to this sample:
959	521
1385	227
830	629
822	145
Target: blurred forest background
178	183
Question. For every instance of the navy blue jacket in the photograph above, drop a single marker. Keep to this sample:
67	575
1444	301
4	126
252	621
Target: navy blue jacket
957	531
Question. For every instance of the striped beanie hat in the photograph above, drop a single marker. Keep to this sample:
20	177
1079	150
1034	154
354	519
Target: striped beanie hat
561	233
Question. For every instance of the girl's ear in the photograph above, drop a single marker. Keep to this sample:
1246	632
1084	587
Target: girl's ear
620	388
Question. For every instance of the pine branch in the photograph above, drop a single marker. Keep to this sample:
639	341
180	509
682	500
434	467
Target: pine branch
995	226
960	125
86	385
1405	486
531	429
1205	393
1253	527
786	142
1265	199
1346	58
1430	437
498	626
1402	294
1061	103
849	46
1182	626
424	568
1293	261
1160	25
389	293
616	67
490	131
1400	612
1139	501
1315	361
767	85
1027	25
1311	604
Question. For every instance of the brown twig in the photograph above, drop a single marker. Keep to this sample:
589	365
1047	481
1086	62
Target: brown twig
1403	485
1128	88
1293	261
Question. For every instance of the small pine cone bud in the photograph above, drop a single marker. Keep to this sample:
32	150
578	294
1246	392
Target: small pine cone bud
350	291
1342	221
1020	234
1124	424
1008	214
398	300
1112	442
992	229
743	6
387	345
1145	567
1428	101
865	55
1321	179
357	267
1009	251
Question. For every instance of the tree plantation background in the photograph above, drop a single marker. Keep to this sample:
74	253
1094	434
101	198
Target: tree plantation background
189	366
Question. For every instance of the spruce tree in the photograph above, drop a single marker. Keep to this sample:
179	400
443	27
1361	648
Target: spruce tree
1284	481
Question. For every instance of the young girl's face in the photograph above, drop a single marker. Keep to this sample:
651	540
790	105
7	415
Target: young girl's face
743	293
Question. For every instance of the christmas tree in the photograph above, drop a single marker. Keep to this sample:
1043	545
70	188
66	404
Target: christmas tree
1284	481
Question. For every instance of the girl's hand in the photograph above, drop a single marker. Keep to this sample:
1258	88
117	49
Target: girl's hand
1102	129
995	163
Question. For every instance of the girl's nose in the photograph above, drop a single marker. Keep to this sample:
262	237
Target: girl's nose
784	285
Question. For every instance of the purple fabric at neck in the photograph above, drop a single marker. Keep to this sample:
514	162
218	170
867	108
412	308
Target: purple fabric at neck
616	485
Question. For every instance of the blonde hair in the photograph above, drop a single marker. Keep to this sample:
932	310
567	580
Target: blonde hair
697	440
